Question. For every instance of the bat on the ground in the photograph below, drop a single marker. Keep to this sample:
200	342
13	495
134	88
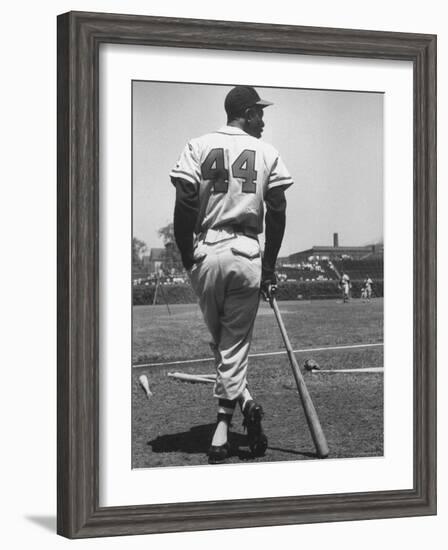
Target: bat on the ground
348	371
143	379
201	378
310	412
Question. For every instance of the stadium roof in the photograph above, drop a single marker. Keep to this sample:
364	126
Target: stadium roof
335	251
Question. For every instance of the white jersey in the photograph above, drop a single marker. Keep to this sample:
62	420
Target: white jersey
345	281
232	172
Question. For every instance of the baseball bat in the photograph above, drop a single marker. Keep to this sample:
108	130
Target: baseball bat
349	371
143	379
310	412
207	379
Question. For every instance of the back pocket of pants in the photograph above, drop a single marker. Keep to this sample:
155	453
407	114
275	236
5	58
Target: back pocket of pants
245	254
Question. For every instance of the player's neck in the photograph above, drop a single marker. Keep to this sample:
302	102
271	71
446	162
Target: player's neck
236	124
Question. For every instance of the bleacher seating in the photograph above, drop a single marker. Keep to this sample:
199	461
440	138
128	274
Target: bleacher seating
358	270
326	270
307	271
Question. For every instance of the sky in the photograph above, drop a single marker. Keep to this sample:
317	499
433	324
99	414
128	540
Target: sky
331	142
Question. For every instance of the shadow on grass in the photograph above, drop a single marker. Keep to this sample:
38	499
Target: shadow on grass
197	441
293	452
245	454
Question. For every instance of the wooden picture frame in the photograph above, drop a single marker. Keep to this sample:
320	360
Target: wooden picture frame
79	37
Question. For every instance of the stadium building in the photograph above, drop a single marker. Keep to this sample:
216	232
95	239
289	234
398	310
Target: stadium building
327	263
335	253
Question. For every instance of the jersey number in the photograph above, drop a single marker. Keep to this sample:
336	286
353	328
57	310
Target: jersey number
213	168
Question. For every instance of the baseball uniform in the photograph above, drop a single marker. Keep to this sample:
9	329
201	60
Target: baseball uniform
368	285
223	180
232	173
345	285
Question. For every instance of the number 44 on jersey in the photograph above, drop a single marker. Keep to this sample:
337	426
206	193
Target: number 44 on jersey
213	168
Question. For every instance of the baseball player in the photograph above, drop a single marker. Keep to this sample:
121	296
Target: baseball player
368	283
363	293
223	180
345	285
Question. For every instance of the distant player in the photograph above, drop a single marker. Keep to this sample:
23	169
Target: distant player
368	283
345	286
223	179
363	293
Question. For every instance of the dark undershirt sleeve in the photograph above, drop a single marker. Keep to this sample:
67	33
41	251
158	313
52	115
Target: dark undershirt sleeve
185	214
275	220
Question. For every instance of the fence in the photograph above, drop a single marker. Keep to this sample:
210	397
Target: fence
182	293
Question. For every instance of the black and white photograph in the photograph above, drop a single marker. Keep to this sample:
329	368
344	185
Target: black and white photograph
257	274
222	234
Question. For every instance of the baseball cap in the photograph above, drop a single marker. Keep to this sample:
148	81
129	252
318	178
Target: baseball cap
241	97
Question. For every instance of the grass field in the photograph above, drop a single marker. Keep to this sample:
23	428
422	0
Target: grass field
175	426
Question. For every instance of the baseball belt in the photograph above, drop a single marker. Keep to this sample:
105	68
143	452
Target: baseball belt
219	234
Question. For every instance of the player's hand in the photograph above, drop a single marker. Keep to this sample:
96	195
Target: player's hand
268	286
268	290
188	264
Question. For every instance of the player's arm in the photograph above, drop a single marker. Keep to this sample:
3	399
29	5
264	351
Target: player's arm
185	214
275	221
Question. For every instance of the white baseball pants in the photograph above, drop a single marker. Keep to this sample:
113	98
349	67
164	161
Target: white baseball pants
226	278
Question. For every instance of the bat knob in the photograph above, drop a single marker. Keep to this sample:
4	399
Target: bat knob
311	365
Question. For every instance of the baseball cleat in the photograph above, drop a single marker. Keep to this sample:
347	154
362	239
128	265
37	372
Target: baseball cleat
217	454
258	442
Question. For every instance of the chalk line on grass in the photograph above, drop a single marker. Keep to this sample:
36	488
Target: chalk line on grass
265	354
211	378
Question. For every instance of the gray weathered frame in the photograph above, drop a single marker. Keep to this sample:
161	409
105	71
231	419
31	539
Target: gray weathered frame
79	37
